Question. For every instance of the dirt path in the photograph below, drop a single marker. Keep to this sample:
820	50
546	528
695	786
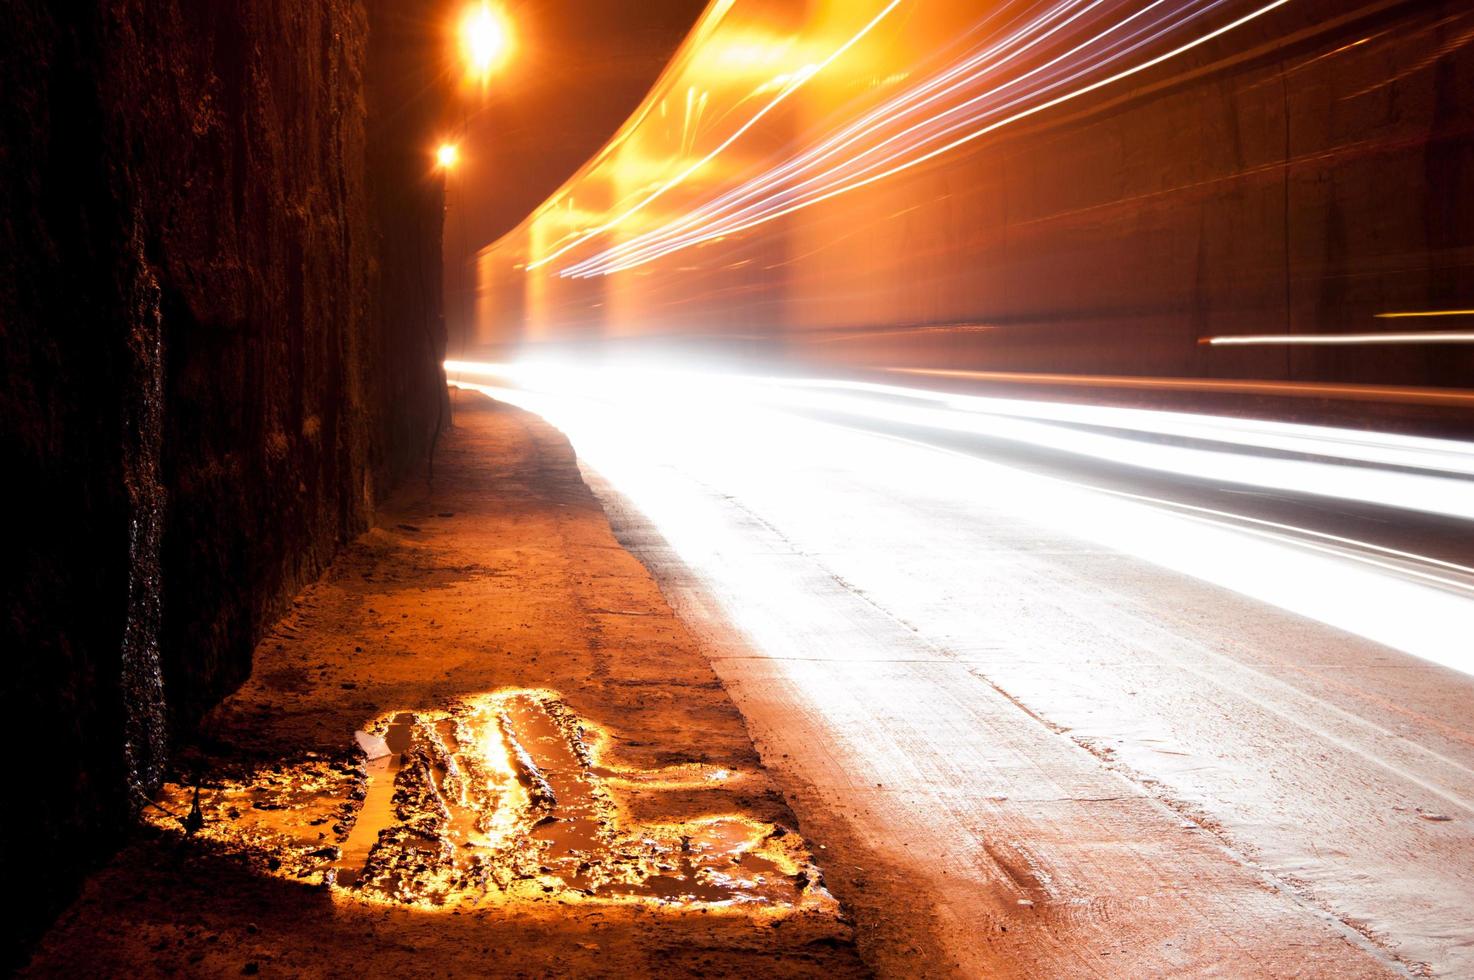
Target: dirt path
563	785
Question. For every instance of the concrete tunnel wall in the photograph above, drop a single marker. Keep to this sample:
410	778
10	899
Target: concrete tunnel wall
1301	174
221	342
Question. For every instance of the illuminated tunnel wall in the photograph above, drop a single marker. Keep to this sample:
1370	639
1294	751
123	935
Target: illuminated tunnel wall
1066	186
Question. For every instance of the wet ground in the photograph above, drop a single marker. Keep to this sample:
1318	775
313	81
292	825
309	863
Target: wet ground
497	799
554	783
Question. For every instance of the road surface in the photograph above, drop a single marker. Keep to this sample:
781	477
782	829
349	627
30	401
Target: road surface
1112	697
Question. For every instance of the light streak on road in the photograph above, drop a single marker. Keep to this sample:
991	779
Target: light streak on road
1387	488
1443	456
1341	339
996	95
646	432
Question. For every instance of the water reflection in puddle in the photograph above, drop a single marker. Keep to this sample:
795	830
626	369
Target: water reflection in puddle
378	809
498	798
503	796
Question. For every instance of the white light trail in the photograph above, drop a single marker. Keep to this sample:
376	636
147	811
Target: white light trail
1340	339
1445	456
651	433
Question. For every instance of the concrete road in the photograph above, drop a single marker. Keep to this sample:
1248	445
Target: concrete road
1059	706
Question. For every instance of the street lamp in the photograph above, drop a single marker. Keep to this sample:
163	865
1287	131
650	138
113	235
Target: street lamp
482	39
485	40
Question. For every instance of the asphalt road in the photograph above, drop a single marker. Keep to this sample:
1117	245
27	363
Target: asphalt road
1059	704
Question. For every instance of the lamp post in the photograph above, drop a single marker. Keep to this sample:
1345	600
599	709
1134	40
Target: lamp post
483	42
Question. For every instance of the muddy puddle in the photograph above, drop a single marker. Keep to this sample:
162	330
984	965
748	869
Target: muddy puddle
507	797
377	811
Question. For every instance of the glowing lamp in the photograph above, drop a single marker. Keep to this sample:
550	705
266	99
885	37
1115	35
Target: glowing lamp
485	39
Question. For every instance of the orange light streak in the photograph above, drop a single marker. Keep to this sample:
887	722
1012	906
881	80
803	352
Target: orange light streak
775	211
1422	313
1288	389
797	82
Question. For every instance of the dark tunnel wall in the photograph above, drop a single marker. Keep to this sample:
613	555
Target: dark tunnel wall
1301	174
221	334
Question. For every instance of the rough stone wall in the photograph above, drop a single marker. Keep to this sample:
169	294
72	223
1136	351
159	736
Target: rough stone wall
219	334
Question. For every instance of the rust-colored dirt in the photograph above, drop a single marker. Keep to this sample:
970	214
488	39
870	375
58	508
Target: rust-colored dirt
570	789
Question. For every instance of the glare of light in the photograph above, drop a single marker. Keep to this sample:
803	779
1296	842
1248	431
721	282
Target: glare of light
749	438
1337	339
447	155
485	39
898	403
